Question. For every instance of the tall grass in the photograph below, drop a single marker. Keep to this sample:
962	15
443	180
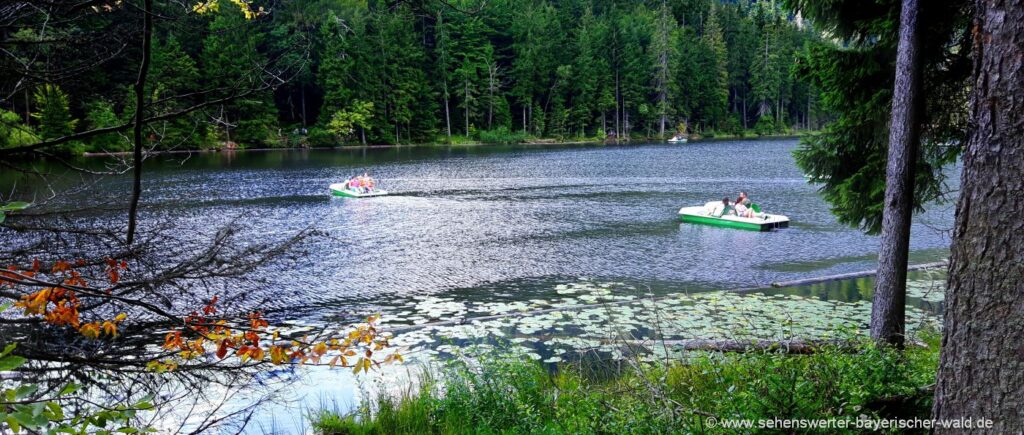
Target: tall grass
501	395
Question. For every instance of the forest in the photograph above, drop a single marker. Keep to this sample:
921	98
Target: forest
217	292
330	72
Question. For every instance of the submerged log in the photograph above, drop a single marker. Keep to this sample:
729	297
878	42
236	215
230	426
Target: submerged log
852	275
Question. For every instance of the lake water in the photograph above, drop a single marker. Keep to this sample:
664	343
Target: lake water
470	232
478	222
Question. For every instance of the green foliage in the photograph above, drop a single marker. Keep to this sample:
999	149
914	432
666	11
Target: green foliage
12	132
4	210
502	135
765	126
561	68
229	52
25	406
101	114
344	122
53	114
848	157
174	73
499	395
321	137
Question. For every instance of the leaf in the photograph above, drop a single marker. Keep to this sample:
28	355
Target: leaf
11	421
55	410
14	206
10	347
11	362
25	418
25	391
69	388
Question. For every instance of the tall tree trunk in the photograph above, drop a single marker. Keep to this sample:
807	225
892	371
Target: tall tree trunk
467	107
303	98
447	114
618	103
981	370
140	116
492	70
807	116
744	114
889	305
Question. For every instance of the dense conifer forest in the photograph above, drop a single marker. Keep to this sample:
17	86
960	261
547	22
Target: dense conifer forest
328	72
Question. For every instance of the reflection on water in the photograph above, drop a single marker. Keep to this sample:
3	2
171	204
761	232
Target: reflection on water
484	232
591	320
477	222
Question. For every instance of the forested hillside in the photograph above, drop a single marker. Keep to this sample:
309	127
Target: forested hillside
326	72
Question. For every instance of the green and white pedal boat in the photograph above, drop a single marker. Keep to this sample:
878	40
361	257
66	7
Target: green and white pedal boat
762	222
340	189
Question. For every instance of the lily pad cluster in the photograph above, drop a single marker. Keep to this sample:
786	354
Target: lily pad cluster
612	319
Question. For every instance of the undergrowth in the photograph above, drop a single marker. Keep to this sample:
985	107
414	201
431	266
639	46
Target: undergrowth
502	395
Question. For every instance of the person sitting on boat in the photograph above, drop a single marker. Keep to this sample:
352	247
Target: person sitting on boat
353	184
723	208
742	209
744	199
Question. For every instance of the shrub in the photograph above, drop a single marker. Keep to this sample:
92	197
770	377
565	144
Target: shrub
502	395
765	126
502	135
319	137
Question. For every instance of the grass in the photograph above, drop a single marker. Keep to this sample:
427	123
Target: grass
502	395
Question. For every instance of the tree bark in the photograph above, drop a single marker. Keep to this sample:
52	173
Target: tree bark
140	116
302	89
447	115
981	369
888	320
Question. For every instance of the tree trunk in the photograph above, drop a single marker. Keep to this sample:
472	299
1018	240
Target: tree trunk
303	98
744	114
447	114
467	107
618	101
140	116
889	305
28	108
492	70
981	370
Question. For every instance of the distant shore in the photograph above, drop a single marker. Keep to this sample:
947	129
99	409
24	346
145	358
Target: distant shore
552	142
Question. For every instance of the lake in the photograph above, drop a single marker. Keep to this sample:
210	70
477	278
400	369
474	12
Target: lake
493	231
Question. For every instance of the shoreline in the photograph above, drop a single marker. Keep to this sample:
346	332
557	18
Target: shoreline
434	145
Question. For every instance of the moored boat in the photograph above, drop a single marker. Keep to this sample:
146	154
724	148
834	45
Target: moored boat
761	222
677	139
341	189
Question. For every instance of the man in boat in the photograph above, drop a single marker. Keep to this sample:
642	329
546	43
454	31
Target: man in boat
722	208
